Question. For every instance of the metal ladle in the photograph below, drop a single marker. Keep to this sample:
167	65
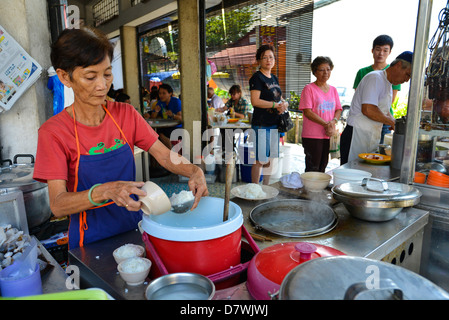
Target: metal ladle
183	207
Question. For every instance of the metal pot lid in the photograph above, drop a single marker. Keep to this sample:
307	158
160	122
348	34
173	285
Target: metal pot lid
276	261
294	217
347	277
18	176
377	189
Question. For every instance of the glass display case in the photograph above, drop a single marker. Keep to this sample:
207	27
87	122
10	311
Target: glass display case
433	139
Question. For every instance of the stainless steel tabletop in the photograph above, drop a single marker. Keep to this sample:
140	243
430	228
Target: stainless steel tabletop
380	171
98	268
55	279
352	236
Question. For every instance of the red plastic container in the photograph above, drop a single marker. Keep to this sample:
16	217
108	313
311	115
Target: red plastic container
271	265
203	257
199	243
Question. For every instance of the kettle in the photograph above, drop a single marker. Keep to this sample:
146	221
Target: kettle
397	147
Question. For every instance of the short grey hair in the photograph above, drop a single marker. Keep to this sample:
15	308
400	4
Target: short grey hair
319	61
405	64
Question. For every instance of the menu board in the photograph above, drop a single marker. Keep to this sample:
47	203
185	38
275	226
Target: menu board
18	70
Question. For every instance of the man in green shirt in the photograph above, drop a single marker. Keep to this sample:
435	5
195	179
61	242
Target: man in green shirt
382	47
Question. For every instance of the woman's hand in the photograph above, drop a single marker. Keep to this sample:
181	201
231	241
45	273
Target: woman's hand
330	128
282	106
197	184
180	165
119	192
64	203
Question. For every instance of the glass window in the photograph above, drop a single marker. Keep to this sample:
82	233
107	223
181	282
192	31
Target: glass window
234	31
159	57
233	34
104	11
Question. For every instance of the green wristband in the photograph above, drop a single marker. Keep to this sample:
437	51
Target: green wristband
272	107
90	196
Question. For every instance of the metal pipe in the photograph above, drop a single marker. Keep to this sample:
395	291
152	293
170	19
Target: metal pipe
203	58
416	91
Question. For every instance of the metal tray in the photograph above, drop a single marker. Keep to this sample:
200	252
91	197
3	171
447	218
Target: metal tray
294	218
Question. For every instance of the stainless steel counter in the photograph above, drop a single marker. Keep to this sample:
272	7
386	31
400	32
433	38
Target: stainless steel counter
434	264
435	255
380	171
352	236
98	268
55	279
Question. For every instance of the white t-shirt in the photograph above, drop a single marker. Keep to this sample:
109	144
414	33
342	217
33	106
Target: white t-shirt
216	102
371	90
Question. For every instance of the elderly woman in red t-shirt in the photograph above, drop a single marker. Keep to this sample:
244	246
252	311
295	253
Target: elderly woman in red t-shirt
86	153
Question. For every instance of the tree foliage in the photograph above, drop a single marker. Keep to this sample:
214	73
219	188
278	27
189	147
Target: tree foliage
235	26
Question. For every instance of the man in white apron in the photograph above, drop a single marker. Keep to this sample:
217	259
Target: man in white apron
370	107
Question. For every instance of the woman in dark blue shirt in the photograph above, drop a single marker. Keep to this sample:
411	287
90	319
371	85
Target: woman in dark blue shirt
266	98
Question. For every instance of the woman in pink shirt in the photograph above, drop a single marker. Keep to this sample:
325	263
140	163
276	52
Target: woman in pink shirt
321	109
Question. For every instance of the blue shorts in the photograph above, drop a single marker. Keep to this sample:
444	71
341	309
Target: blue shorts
266	142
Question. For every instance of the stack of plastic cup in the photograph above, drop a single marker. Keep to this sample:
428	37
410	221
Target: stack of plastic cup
438	179
27	286
420	177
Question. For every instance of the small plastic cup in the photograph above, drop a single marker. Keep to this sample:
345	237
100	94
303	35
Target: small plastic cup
420	177
27	286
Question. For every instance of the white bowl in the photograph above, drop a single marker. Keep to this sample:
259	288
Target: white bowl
156	201
315	181
349	175
118	259
134	278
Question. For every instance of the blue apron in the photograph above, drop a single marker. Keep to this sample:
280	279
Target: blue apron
108	220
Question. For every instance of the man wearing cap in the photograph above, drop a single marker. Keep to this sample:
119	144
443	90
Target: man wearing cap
370	108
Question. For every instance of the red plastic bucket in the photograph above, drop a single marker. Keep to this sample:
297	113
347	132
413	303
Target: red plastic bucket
197	241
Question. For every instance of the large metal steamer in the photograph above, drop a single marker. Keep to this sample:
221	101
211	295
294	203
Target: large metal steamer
15	176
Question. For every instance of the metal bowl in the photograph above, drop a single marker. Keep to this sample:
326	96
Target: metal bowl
180	286
369	210
381	202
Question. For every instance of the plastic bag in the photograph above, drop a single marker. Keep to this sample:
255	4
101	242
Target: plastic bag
334	146
24	266
56	86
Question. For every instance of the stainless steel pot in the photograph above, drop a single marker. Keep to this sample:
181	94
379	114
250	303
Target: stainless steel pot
356	278
375	199
14	177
